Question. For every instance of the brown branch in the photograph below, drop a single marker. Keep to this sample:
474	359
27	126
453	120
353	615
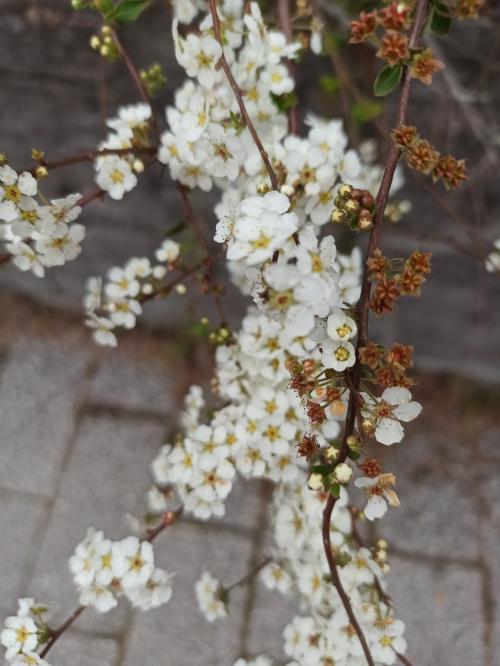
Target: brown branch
57	633
193	221
362	312
168	519
139	84
239	96
285	23
250	575
91	155
335	578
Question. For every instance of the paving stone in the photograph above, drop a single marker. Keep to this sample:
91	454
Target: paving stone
438	514
271	613
21	518
247	500
441	606
38	394
177	633
84	650
105	479
129	383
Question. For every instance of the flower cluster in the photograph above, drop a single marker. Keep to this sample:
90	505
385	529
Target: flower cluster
38	233
423	156
116	173
118	302
103	570
24	633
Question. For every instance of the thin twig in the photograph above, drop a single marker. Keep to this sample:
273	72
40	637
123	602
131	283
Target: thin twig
251	574
91	155
335	578
196	226
239	97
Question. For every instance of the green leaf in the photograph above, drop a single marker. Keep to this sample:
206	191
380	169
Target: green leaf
363	112
177	228
387	79
354	455
440	19
129	11
335	489
330	84
321	469
285	101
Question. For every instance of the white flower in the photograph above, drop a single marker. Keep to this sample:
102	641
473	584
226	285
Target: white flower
13	190
99	597
115	176
168	251
262	226
133	562
341	327
209	594
198	56
275	577
28	659
20	635
156	592
25	258
338	355
380	494
103	330
394	405
124	312
493	259
122	283
56	251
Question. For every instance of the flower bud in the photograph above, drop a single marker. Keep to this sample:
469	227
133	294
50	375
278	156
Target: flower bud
315	482
288	190
95	42
368	426
331	453
41	172
345	191
263	188
342	472
181	289
138	166
337	216
352	206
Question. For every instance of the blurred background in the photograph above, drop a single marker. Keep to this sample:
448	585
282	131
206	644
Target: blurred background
74	417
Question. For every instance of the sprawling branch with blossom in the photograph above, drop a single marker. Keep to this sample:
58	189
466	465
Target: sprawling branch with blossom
303	393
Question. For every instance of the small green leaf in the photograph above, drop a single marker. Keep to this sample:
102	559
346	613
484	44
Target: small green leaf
129	11
177	228
321	469
363	112
440	19
285	101
330	84
387	79
353	455
335	489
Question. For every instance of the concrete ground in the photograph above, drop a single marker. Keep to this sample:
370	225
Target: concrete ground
79	428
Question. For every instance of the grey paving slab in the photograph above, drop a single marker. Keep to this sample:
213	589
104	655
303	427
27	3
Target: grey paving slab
106	476
39	389
442	608
177	634
21	518
84	650
438	514
271	612
128	383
